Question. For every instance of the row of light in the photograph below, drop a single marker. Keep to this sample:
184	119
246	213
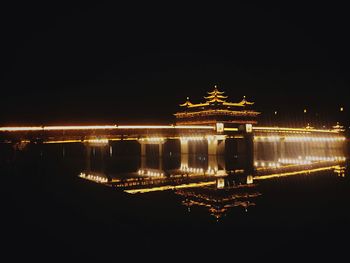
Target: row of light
97	141
270	176
104	127
267	138
150	173
299	138
199	138
322	158
293	161
313	139
307	160
153	139
274	129
267	164
95	178
185	168
192	138
210	170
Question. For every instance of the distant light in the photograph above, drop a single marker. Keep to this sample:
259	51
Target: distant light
275	112
305	110
341	109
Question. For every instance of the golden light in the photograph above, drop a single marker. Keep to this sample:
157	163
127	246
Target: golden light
283	129
341	109
105	127
97	141
270	176
168	187
305	110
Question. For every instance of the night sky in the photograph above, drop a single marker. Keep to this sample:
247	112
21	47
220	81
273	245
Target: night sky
134	63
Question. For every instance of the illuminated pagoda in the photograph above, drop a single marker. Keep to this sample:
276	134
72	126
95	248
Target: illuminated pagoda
216	109
218	201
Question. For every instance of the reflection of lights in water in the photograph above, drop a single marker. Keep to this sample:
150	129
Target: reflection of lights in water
276	175
220	183
218	205
168	187
340	171
323	158
185	168
153	139
249	179
95	178
299	138
150	173
299	161
313	139
293	161
210	170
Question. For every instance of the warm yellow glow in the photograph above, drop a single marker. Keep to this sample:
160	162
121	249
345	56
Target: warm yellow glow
92	177
267	164
293	161
217	112
278	129
220	183
249	179
313	139
62	141
305	110
165	127
230	129
323	158
276	138
341	109
168	187
153	139
270	176
105	127
192	138
97	141
21	128
150	173
185	168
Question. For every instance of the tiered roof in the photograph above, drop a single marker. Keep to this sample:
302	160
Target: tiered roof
216	97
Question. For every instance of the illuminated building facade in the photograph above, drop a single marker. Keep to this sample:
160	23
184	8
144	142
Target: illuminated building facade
217	110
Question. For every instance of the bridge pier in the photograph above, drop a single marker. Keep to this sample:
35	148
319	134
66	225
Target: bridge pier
88	157
248	137
102	151
144	144
282	148
216	144
143	152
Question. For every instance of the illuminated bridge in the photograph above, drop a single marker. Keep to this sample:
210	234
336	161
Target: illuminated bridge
93	133
216	123
216	138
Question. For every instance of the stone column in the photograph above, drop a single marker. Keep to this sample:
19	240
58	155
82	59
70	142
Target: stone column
212	146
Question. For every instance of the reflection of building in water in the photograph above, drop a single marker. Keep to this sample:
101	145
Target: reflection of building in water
340	171
222	196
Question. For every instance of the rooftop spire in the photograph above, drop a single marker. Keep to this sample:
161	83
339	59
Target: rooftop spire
215	95
187	103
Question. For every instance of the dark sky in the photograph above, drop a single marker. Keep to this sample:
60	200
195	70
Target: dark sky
122	63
